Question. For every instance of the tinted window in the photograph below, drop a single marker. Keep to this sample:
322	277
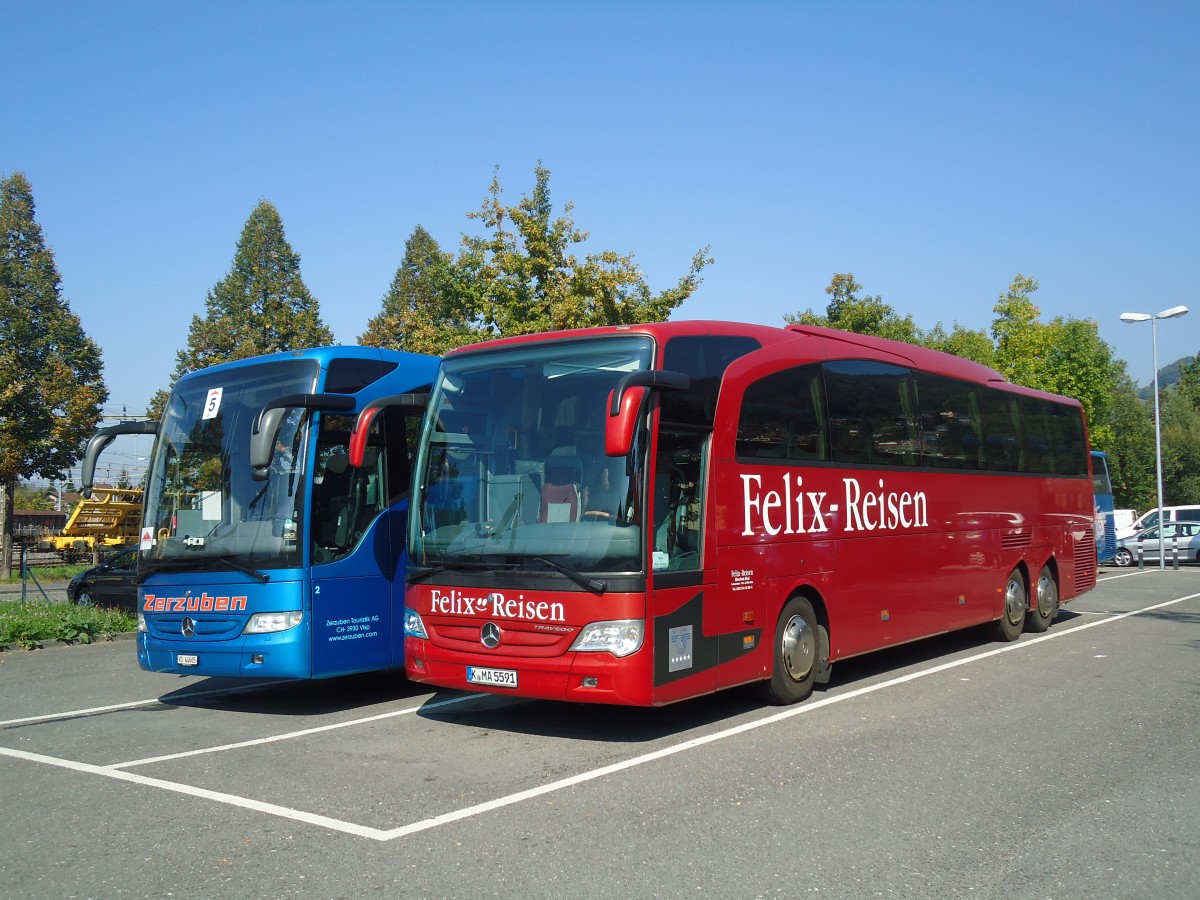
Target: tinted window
1001	435
704	358
870	413
783	417
348	376
950	421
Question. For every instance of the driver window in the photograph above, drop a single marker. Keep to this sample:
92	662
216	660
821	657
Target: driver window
346	500
678	500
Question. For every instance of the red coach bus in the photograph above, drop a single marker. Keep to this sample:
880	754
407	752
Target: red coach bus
643	514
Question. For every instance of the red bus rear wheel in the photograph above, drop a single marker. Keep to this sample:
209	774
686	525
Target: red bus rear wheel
1016	601
1045	609
794	655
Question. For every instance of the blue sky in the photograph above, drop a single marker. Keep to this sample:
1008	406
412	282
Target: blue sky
934	149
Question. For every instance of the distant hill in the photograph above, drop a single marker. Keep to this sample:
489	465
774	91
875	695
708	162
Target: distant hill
1167	376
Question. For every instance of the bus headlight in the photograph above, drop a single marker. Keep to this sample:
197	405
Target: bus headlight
142	622
413	626
266	623
620	638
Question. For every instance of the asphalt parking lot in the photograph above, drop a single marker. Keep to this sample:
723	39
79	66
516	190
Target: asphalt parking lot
1062	765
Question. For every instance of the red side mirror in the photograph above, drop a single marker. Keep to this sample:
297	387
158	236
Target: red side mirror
358	440
619	428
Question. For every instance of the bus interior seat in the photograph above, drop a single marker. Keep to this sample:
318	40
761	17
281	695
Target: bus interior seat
332	500
560	493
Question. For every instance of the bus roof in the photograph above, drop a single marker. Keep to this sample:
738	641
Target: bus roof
917	357
324	356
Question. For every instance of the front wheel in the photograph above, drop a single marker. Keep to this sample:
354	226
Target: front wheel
1123	558
795	654
1016	600
84	598
1045	607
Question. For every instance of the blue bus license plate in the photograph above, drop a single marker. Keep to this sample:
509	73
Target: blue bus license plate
187	659
492	677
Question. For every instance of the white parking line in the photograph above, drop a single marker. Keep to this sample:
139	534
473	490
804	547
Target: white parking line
203	793
554	786
134	704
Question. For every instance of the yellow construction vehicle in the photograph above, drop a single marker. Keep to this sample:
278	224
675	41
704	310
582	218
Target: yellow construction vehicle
110	517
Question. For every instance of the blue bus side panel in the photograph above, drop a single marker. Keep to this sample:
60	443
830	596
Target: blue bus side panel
356	617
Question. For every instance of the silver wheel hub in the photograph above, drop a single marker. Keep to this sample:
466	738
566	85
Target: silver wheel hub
1047	596
799	648
1014	601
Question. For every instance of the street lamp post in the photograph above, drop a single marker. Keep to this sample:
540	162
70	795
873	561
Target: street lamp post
1173	313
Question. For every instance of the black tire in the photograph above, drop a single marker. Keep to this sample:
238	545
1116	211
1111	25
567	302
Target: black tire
1045	602
1016	602
794	655
1123	558
84	597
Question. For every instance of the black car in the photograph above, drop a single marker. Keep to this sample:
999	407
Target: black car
112	583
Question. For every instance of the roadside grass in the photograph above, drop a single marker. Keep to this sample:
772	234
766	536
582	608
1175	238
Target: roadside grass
30	625
46	574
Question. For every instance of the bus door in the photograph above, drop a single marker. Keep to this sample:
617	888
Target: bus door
684	628
356	541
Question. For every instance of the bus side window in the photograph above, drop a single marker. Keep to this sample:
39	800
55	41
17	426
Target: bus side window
783	417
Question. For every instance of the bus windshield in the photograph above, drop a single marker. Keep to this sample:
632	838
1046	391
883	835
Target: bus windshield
203	507
512	469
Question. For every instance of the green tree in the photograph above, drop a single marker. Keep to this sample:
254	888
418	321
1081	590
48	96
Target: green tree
26	496
261	306
961	341
427	309
1130	445
522	276
1179	411
848	311
51	382
1018	334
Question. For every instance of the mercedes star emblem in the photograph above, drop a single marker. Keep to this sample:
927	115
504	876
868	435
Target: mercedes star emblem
490	635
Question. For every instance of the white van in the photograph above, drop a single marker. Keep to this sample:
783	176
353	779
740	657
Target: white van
1150	519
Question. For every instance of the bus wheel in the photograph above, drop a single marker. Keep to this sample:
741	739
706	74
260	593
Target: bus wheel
794	658
1045	609
1016	600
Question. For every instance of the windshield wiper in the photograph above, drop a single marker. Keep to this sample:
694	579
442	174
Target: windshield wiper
595	585
420	573
241	567
201	563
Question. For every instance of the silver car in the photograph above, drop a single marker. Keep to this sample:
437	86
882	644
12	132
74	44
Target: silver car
1185	535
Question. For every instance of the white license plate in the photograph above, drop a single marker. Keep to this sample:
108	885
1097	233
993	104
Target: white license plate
492	677
187	659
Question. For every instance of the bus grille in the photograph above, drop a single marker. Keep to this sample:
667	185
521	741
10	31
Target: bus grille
1085	561
207	628
516	638
1015	540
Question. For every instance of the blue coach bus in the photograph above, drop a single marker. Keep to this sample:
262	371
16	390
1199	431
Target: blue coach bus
1106	526
262	553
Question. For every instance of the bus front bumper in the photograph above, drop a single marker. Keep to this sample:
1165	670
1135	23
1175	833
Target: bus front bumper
578	677
282	655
